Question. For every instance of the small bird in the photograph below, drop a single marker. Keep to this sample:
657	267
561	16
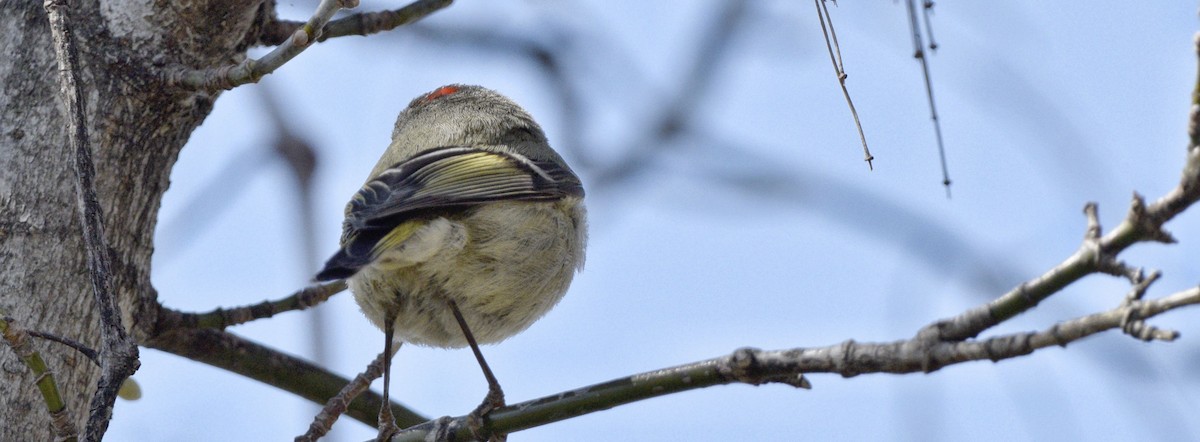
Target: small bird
469	229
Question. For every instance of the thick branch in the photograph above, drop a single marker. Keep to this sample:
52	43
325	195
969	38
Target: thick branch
118	353
236	354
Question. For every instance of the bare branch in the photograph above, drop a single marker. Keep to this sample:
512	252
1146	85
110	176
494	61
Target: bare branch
118	353
87	352
251	70
230	352
361	24
919	54
1132	323
835	55
926	11
1095	255
756	367
170	320
337	404
1194	112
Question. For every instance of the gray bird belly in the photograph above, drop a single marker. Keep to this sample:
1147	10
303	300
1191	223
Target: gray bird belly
516	264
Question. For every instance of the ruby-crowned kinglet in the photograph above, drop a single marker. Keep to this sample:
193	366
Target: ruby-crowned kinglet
468	230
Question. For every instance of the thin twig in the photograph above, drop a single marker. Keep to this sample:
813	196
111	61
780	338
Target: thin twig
251	70
919	54
171	320
926	11
1193	129
835	55
1095	255
118	353
86	351
361	24
337	404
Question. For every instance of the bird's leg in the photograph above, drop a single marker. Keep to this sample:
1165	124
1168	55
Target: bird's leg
495	396
387	422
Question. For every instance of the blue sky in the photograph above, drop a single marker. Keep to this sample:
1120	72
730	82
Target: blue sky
761	226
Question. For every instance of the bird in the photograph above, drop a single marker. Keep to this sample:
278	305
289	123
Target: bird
469	228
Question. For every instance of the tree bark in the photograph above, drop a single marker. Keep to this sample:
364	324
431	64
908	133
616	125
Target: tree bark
138	126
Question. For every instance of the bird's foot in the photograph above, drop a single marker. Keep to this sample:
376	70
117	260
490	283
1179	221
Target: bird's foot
387	424
475	420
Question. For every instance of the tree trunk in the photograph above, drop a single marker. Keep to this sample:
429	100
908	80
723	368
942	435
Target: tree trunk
138	125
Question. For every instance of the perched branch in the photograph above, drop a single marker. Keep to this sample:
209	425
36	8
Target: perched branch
118	353
61	424
756	367
239	355
251	70
170	320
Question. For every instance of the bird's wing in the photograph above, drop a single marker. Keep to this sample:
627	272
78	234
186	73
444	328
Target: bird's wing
454	177
438	180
